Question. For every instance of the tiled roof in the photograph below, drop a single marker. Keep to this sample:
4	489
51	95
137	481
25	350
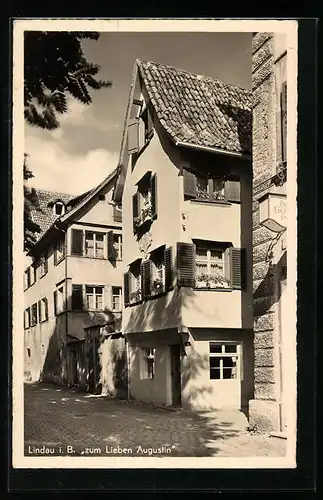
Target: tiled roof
198	109
42	209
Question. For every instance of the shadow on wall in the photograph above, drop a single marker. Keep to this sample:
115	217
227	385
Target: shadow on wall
268	292
76	362
164	313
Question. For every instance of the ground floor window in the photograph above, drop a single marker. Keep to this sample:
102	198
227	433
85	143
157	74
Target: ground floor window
224	360
94	298
147	363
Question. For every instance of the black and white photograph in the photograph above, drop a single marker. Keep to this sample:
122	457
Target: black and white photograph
154	270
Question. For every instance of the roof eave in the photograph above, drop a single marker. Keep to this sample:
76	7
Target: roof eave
212	149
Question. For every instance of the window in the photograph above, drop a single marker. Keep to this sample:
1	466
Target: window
27	318
43	310
34	317
27	280
206	187
59	253
200	265
224	361
144	201
210	270
117	243
116	298
132	284
147	363
59	301
77	297
94	245
59	208
157	284
94	298
43	265
140	129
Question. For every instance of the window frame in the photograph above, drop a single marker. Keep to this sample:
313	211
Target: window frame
211	283
95	247
43	310
34	314
118	245
154	291
135	296
147	363
238	354
94	294
63	208
59	250
27	323
119	295
43	265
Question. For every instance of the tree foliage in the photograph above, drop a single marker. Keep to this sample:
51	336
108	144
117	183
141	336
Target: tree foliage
55	67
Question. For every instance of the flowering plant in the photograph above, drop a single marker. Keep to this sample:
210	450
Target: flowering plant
136	295
157	285
213	279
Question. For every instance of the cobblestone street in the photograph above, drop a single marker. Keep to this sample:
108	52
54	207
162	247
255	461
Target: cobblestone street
65	420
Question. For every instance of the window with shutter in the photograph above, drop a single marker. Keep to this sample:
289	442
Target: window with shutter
210	266
77	298
133	136
189	184
283	112
27	318
135	282
232	191
153	196
126	288
77	242
186	264
237	268
168	259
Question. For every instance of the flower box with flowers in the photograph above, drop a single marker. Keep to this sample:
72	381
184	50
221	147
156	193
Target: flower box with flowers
212	281
135	296
157	286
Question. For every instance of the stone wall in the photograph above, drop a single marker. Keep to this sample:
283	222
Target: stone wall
264	409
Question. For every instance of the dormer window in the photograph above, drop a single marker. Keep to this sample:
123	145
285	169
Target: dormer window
59	208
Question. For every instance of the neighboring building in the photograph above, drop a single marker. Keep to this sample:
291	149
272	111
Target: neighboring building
272	343
73	277
185	184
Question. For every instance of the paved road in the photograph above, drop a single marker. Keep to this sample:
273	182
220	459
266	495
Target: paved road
66	421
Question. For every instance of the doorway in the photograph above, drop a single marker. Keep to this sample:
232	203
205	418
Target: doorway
175	358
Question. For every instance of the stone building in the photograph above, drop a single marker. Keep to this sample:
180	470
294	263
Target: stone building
267	411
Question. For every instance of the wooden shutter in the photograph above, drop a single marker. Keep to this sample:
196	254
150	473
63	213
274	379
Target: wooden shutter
77	298
133	136
39	312
135	209
111	249
146	279
55	253
117	214
153	191
186	264
77	242
237	268
46	307
126	288
232	191
168	260
189	184
55	302
283	112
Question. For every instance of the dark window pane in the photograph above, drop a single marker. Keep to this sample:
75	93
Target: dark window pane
228	363
230	348
227	373
214	373
214	362
215	348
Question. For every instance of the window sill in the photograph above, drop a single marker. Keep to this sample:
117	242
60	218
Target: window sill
135	303
88	257
40	277
209	289
43	320
210	202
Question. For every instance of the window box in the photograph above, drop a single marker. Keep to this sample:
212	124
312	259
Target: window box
204	187
212	281
144	201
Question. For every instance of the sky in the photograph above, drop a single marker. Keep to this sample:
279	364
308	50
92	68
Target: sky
85	148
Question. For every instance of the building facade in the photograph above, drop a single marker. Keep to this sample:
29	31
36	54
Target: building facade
184	180
267	411
73	277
